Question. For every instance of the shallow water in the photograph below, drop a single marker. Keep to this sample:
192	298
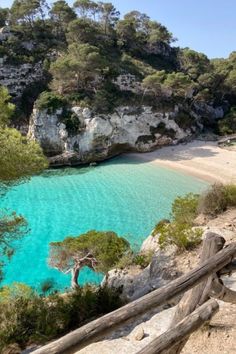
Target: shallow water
125	195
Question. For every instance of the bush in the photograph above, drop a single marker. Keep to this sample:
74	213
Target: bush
184	209
143	259
125	261
230	193
26	316
180	235
228	124
130	258
50	101
217	199
157	229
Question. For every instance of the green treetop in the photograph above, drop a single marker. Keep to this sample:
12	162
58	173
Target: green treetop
99	251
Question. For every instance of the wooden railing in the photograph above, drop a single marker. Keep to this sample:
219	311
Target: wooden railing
195	308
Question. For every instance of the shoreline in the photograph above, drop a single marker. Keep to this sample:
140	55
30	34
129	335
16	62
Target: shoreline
201	159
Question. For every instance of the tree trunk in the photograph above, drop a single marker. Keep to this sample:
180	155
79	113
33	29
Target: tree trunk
74	277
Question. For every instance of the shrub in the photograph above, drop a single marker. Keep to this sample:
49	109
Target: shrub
159	226
217	199
50	101
228	124
230	192
184	209
143	259
26	316
47	286
180	235
125	261
71	122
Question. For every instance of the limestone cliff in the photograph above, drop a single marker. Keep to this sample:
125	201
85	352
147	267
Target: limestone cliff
17	78
100	136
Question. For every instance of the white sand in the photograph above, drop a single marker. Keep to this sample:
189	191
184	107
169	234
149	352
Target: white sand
205	160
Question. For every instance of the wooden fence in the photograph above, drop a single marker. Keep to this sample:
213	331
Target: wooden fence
201	286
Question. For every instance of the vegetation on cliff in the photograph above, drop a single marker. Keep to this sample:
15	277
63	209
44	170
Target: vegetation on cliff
180	232
19	159
86	47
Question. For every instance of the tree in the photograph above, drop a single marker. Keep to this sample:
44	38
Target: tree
19	159
132	30
194	63
158	33
83	30
99	251
27	11
3	16
86	8
78	69
62	14
108	15
155	82
12	227
6	108
179	84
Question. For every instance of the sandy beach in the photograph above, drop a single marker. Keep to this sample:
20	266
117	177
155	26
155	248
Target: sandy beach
202	159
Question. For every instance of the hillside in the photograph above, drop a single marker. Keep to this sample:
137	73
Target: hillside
101	84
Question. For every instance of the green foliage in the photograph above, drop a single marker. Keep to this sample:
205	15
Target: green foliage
12	227
180	235
27	10
62	14
6	108
179	232
135	44
131	258
16	290
106	247
184	209
179	84
47	286
230	192
217	199
137	31
194	63
158	227
27	317
19	157
228	124
50	101
143	259
3	16
155	82
77	69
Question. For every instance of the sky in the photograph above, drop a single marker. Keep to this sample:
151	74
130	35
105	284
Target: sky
208	26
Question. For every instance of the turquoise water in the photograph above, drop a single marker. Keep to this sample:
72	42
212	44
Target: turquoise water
123	195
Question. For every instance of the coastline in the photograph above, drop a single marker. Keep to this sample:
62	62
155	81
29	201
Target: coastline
202	159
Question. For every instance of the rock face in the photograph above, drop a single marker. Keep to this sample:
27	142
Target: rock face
134	283
102	136
18	77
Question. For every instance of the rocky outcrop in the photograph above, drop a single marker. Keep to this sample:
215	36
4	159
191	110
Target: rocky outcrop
129	82
98	136
17	78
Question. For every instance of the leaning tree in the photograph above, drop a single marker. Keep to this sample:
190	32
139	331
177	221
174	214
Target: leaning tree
100	251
